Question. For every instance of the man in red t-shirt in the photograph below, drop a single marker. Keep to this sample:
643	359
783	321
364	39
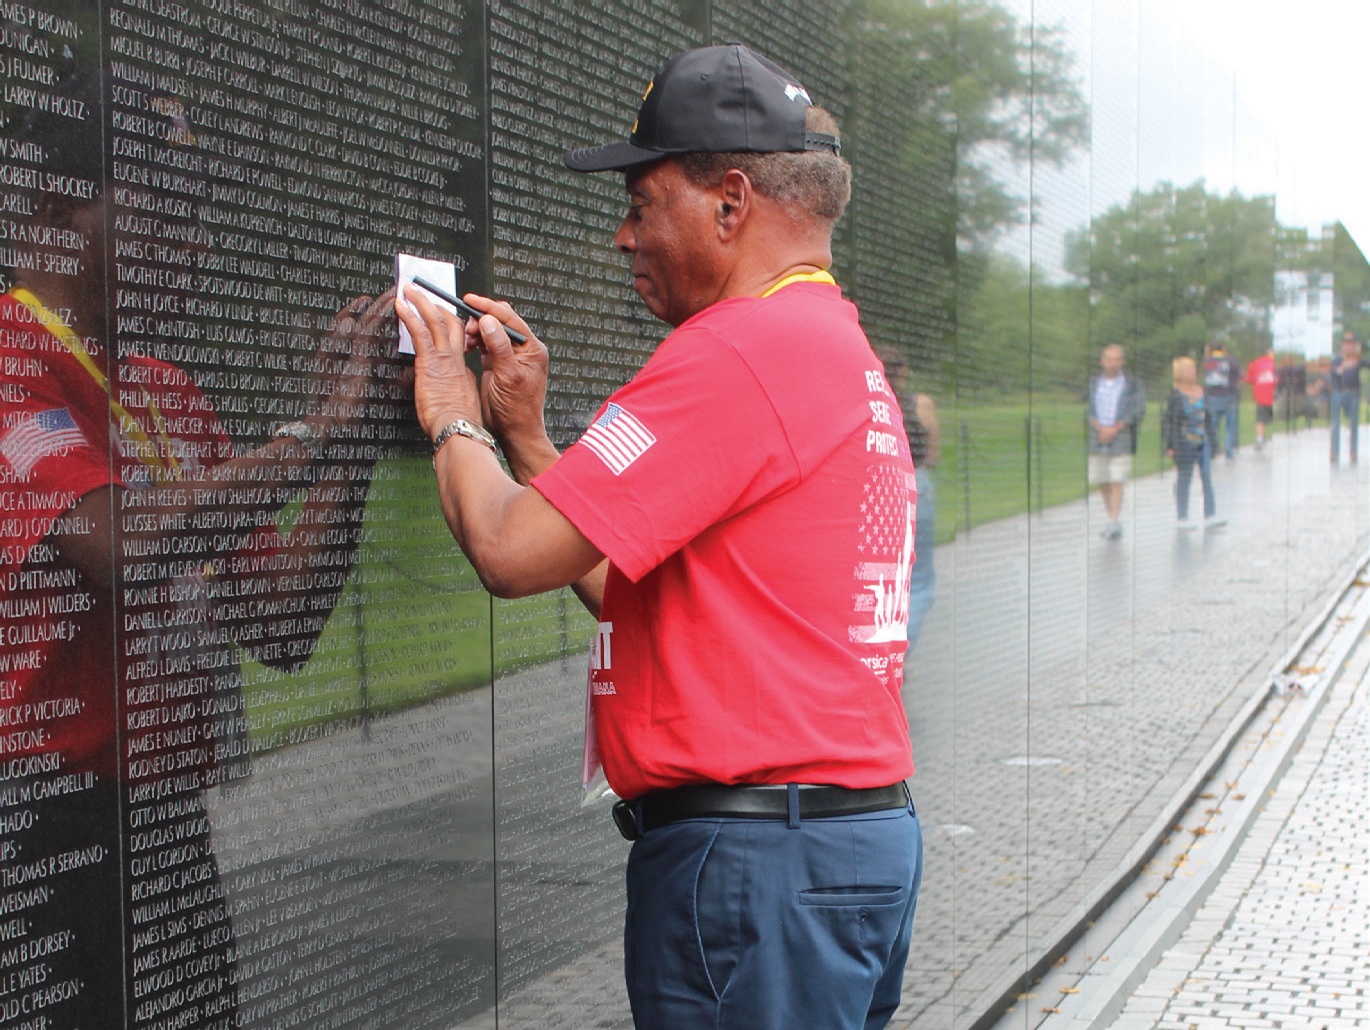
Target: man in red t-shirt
1262	376
740	516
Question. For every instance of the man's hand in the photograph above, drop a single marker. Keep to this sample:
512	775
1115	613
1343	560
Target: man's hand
444	388
514	386
1107	433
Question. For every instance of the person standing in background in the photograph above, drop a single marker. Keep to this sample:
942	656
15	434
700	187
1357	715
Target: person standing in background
920	425
1293	386
1117	403
1262	377
1221	376
1187	430
1345	401
1321	379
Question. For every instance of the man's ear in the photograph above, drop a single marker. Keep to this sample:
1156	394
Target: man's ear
734	195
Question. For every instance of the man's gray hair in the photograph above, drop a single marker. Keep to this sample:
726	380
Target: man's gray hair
815	183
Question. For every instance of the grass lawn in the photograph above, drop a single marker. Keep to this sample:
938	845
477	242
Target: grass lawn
1027	454
413	624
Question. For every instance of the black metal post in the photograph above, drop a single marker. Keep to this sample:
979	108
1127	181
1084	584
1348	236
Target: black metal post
1041	489
963	459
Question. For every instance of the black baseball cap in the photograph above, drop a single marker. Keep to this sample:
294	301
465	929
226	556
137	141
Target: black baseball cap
716	99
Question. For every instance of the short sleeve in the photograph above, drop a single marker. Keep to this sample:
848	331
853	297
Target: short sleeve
692	440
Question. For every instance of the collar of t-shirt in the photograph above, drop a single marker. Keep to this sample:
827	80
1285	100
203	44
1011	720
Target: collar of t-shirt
820	276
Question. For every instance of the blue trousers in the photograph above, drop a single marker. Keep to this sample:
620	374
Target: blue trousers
1224	411
1187	456
742	924
1344	403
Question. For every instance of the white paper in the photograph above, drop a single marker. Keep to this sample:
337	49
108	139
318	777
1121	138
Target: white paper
439	273
594	784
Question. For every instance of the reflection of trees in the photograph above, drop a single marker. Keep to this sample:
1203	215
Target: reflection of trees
1015	96
1173	268
1163	274
1166	272
944	96
1005	304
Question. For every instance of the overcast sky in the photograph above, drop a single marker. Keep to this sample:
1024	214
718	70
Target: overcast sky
1242	93
1302	69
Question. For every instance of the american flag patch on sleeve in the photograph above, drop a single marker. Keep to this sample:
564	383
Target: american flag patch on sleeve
618	438
32	440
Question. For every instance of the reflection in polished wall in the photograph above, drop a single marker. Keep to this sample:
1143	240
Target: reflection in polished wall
270	757
246	672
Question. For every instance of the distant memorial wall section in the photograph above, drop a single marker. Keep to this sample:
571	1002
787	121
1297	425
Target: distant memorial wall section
269	755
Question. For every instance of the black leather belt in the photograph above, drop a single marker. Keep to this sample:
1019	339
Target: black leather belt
751	801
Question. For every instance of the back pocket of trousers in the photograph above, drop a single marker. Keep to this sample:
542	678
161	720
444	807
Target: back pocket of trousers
865	895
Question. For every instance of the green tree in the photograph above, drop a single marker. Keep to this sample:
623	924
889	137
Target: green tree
1007	301
941	95
1173	269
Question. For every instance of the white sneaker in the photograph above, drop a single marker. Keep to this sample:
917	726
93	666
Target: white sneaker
1186	524
1214	521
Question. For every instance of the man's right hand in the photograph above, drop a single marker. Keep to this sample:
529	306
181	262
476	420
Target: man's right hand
513	388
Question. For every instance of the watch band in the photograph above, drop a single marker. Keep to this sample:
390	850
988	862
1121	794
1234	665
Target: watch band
460	427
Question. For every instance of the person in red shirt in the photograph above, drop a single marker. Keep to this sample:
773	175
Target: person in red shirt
1263	377
740	516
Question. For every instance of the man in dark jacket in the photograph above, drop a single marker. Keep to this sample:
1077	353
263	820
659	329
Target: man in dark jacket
1222	373
1117	403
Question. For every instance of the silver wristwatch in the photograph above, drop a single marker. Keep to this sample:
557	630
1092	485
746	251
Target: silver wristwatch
460	427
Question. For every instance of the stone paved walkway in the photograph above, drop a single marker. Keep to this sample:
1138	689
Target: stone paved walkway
1062	690
1284	939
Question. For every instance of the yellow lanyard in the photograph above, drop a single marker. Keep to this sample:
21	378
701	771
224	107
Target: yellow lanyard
802	277
165	470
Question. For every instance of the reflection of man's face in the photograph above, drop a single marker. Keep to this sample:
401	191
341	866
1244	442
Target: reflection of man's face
1349	350
1112	361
